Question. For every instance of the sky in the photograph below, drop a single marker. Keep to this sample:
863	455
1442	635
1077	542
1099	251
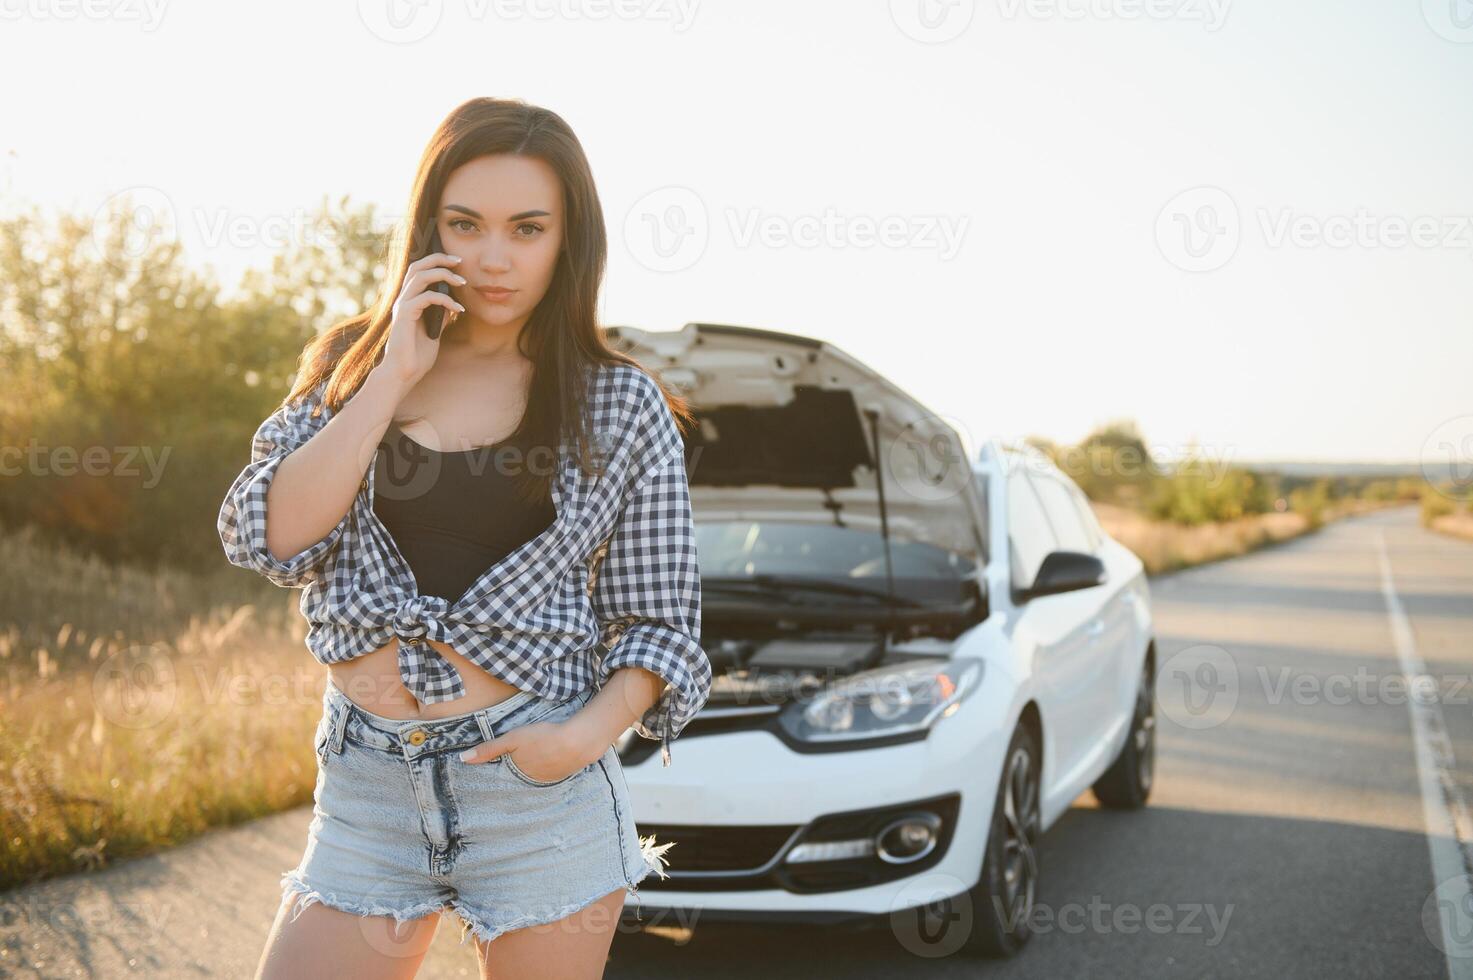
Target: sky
1247	225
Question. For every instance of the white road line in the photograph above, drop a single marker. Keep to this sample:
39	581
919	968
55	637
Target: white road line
1443	809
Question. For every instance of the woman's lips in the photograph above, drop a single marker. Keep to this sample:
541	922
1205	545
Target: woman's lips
494	294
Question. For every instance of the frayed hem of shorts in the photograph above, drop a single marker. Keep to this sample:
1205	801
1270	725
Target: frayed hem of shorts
306	895
653	856
470	922
651	859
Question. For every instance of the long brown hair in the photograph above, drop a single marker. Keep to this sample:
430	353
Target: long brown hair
562	337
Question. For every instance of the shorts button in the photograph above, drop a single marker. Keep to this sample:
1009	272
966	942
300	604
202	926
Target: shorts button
417	737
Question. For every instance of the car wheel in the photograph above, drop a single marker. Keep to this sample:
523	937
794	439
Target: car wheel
1127	783
1002	901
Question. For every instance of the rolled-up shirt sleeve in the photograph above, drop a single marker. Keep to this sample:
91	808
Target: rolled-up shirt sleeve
647	590
242	520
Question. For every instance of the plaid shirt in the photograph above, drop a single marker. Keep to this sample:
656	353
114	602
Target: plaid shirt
549	617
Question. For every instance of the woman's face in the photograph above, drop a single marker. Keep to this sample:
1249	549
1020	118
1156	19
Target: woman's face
502	214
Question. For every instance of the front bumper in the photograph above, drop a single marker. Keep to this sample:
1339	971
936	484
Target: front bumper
741	802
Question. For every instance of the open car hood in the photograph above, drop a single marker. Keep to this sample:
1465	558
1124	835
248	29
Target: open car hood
784	433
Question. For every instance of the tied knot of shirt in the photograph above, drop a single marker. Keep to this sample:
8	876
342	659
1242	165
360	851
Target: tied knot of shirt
420	617
427	675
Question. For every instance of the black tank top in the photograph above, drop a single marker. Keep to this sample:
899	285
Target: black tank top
453	514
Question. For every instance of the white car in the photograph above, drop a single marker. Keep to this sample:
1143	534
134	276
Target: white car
918	666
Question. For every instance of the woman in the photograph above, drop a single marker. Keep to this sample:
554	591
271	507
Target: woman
491	530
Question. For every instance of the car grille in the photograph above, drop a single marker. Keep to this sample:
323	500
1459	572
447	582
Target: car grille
701	850
745	858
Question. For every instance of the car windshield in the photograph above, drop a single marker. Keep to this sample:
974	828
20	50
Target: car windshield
845	564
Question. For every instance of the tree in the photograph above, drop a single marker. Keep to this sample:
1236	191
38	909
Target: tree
112	351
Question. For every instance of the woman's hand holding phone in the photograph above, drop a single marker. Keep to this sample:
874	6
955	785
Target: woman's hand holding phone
410	352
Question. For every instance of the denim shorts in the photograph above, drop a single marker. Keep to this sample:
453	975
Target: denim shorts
402	827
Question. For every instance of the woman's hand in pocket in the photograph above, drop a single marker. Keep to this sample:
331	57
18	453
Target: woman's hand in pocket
544	750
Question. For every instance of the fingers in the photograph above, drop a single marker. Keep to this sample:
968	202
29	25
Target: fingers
486	751
420	279
432	260
431	298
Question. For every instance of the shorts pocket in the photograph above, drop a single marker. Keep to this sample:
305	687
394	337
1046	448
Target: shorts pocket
511	767
553	711
321	740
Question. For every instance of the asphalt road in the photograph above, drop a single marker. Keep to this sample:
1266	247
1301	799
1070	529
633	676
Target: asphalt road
1288	834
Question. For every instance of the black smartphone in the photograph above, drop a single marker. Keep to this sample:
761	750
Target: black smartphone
434	316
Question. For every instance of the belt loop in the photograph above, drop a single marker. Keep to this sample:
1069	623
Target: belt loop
340	724
486	733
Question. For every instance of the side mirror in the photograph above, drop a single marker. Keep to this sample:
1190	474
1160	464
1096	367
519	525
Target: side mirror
1064	571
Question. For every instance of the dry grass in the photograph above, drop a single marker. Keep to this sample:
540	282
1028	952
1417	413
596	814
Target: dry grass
1164	546
1458	525
117	742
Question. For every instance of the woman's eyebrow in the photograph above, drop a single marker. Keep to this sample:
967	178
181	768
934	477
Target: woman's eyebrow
516	217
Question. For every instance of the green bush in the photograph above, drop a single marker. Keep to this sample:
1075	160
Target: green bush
133	387
1196	494
1310	501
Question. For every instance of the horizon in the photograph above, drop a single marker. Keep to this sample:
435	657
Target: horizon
1222	229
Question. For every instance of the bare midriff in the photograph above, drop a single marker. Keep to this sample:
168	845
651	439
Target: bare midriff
372	682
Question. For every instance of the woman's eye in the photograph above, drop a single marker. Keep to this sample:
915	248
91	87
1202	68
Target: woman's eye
462	221
529	224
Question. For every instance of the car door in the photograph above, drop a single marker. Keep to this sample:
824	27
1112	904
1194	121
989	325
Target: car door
1122	627
1056	625
1099	669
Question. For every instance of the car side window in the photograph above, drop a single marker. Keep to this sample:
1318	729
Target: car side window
1029	533
1063	514
1087	515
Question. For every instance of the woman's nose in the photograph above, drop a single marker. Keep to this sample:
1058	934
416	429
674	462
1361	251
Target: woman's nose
495	258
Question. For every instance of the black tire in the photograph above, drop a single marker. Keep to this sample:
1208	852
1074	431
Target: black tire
1126	785
1002	900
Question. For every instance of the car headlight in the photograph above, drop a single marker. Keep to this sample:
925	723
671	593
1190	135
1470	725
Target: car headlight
882	702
